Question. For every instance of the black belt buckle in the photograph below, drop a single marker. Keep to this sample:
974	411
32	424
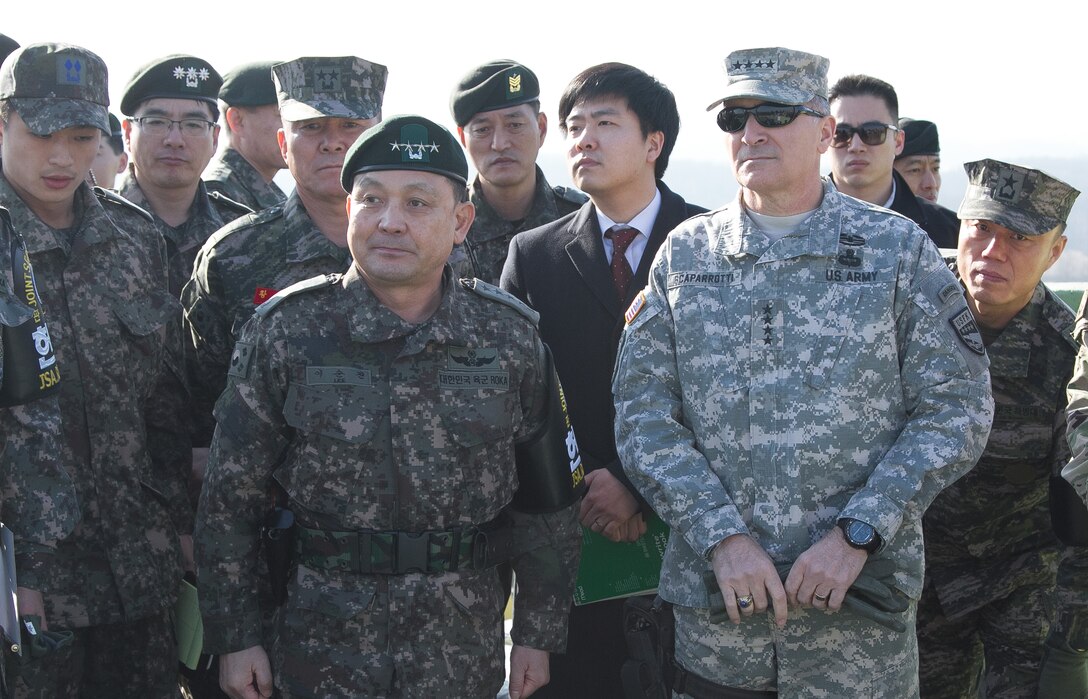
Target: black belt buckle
413	552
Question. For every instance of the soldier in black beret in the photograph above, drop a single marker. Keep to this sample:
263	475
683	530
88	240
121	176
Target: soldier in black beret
7	45
112	159
497	110
920	160
243	170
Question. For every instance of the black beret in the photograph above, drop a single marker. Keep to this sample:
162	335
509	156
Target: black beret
175	76
115	127
493	85
7	45
405	142
249	85
920	138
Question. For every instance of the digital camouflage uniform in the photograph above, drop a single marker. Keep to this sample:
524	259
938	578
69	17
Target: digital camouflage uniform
239	268
373	423
991	552
484	251
104	285
234	177
769	388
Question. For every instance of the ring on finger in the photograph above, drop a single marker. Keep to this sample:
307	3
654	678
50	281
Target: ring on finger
820	598
745	601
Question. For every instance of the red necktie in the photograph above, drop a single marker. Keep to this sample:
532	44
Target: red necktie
621	237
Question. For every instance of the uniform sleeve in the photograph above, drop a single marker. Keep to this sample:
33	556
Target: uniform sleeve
655	444
208	336
550	545
249	440
1076	471
945	381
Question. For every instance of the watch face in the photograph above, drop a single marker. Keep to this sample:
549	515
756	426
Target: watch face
859	533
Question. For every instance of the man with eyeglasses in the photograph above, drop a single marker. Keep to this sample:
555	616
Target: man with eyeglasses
793	388
993	586
100	267
863	151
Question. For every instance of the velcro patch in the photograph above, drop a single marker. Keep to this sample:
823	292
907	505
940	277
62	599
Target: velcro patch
240	359
262	294
636	306
334	375
473	379
964	325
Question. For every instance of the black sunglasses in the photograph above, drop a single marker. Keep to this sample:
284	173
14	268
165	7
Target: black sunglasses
733	119
872	133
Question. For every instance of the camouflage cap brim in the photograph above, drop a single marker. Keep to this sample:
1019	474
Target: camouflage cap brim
762	90
294	110
975	206
44	116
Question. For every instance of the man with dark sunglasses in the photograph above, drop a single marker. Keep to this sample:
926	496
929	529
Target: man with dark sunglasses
793	387
863	151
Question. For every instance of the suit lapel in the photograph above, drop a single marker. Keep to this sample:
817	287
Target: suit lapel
586	253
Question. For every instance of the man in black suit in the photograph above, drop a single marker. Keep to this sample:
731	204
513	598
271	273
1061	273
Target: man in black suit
620	125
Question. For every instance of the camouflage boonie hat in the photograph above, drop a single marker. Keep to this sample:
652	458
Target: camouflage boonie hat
919	138
778	75
495	85
329	86
405	142
55	86
249	85
1021	199
176	76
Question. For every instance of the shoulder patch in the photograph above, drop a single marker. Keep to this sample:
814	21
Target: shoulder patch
1060	317
220	199
111	197
964	325
494	293
635	308
318	282
570	194
240	359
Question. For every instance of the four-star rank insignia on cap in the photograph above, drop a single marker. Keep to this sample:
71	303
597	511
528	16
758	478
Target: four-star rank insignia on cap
413	144
191	75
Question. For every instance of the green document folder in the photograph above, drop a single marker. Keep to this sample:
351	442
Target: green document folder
188	626
609	570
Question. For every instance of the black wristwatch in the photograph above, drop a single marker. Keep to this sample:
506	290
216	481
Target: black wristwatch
860	535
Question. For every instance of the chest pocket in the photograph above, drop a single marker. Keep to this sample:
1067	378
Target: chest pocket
339	402
712	337
144	329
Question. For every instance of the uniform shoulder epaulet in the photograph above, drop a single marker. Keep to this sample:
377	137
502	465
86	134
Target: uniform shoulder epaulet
319	282
570	194
245	222
494	293
220	199
109	196
1060	317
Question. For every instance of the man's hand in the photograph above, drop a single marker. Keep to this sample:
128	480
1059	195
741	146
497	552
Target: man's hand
246	674
188	559
628	531
743	568
607	505
528	671
32	604
821	575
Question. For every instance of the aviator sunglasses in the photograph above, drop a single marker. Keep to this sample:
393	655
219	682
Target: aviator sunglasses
733	119
872	133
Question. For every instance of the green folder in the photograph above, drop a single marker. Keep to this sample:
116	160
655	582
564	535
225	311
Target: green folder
188	626
612	570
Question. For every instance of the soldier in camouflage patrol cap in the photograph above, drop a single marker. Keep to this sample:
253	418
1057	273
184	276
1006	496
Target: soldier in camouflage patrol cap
387	402
247	262
101	273
244	169
991	551
795	386
497	110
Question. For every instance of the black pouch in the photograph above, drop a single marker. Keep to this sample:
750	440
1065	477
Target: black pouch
30	364
1068	513
649	632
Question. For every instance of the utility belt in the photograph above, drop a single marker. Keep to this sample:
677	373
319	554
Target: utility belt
475	547
687	682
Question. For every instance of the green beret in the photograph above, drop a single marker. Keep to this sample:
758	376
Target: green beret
1019	198
56	86
405	142
176	76
493	85
920	138
249	85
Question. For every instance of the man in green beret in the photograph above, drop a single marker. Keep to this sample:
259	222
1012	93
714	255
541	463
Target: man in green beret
497	110
100	267
244	169
919	163
171	133
992	556
416	424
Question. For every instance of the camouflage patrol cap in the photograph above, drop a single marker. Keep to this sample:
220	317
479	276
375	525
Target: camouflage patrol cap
55	86
1021	199
329	86
494	85
405	142
778	75
176	76
249	85
920	138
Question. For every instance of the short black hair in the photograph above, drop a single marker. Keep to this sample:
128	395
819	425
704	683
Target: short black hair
652	102
867	85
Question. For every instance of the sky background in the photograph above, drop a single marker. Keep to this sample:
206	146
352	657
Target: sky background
1001	83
